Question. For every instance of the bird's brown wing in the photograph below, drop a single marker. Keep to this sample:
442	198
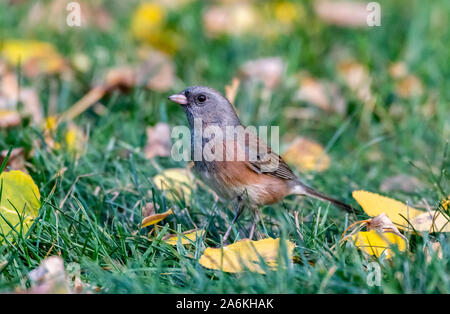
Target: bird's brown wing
267	161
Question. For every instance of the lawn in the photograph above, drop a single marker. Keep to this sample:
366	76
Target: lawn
375	100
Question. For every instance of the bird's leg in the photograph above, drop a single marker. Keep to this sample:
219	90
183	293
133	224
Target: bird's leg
239	209
255	222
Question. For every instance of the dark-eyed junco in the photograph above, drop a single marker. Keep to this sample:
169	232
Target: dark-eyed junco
259	176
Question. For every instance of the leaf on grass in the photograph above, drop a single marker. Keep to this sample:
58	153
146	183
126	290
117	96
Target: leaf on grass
433	221
9	118
409	87
307	155
434	249
401	182
36	57
154	219
188	237
245	255
399	213
149	25
233	19
176	181
381	234
158	141
50	277
375	243
19	196
266	70
16	160
232	90
322	94
342	13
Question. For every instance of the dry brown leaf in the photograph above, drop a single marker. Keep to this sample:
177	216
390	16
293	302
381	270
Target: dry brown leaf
9	118
401	182
342	13
435	250
232	90
357	78
50	277
237	18
322	94
157	72
158	141
16	160
410	86
398	70
149	209
11	94
267	70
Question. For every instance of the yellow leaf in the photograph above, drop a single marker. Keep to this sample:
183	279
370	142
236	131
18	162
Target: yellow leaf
148	25
35	56
245	255
74	138
19	194
177	181
375	204
307	155
154	219
188	237
376	243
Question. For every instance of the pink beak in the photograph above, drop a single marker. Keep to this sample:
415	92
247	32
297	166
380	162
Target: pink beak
179	98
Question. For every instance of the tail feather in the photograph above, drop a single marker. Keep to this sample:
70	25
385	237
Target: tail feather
306	190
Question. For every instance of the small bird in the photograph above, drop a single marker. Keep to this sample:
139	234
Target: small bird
263	180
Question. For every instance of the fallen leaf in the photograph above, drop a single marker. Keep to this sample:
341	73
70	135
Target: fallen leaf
158	141
149	25
409	87
176	181
322	94
375	243
342	13
49	278
16	160
398	70
307	155
156	72
154	219
19	196
232	90
245	255
357	78
401	182
188	237
266	70
36	57
399	213
149	209
435	249
374	204
233	19
9	119
433	221
75	139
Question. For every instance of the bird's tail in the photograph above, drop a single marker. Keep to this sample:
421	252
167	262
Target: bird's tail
302	189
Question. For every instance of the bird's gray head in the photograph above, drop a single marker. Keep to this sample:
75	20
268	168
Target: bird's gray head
207	104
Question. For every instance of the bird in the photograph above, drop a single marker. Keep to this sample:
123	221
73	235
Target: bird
249	173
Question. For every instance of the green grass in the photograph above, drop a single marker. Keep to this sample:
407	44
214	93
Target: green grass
105	188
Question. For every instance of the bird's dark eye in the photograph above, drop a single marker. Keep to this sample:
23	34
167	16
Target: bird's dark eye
201	98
